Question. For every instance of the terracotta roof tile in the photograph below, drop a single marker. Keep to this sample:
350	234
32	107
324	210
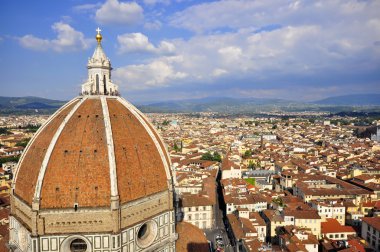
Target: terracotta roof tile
372	221
190	238
333	226
31	164
78	169
140	170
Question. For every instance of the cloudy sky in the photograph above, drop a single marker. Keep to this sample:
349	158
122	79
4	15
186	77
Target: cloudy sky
176	49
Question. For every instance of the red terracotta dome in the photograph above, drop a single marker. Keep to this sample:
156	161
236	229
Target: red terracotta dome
93	149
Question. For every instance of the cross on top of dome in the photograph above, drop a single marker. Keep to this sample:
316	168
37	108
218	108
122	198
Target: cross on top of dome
98	36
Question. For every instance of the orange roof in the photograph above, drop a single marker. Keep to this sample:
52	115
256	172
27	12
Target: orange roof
357	245
30	166
333	226
372	221
189	200
190	238
78	168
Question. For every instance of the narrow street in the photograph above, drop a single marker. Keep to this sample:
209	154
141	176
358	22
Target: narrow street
219	227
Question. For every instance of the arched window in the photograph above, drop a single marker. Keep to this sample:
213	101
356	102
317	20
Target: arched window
97	84
146	234
78	245
104	84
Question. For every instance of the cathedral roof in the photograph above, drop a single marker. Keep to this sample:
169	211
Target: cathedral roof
92	149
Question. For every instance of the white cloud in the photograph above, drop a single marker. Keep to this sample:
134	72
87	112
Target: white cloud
230	54
155	74
218	72
68	39
306	45
134	42
166	47
138	42
86	7
223	14
115	12
267	57
154	2
154	25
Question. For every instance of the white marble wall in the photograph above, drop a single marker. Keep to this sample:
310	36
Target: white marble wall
126	241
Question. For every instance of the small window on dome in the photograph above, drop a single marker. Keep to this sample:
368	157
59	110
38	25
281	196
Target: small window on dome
78	245
146	234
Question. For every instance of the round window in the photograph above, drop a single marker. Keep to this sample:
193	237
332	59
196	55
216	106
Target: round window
146	234
78	245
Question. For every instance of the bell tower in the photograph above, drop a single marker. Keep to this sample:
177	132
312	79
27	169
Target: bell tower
99	73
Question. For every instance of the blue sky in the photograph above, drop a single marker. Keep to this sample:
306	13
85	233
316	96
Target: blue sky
177	49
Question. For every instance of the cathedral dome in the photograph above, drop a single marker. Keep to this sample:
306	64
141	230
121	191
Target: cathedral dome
92	149
95	177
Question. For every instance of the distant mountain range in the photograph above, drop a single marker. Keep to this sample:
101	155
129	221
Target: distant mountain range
29	105
218	104
243	105
351	100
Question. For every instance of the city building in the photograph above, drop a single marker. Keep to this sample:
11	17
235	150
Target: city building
330	209
298	239
198	210
332	229
371	231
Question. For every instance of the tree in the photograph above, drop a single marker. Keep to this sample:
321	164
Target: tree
9	159
166	122
4	131
217	157
23	143
212	157
279	201
176	148
30	127
251	165
247	154
207	156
